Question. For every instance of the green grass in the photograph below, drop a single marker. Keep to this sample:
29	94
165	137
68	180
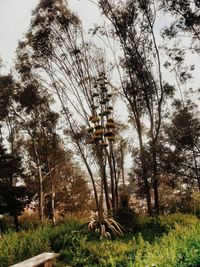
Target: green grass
168	241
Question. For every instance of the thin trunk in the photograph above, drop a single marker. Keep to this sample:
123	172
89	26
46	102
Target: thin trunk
16	222
155	182
196	168
115	176
112	181
122	167
41	193
99	205
105	185
144	177
53	207
102	165
52	184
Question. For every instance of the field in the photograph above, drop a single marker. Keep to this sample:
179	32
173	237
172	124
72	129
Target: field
170	241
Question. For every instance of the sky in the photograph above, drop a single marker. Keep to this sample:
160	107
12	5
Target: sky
15	16
14	21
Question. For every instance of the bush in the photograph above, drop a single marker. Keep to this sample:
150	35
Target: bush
180	248
152	228
60	236
126	217
16	247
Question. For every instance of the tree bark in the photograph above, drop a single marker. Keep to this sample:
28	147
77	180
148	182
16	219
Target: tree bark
16	222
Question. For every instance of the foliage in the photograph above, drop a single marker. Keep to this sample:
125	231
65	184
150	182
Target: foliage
16	247
106	227
179	246
183	134
13	197
195	203
126	217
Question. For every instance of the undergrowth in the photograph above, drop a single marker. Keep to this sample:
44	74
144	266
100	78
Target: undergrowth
167	241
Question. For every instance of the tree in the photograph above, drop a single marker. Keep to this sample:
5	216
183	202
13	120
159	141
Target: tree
187	19
143	87
55	46
183	136
13	193
73	194
13	197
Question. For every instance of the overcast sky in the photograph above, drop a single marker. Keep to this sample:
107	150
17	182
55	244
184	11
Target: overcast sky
15	16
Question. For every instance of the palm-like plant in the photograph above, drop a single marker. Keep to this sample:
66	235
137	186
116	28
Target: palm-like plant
106	227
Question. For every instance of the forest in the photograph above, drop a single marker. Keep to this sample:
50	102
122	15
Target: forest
100	136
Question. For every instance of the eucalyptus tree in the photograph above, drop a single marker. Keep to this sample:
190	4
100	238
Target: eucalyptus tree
13	197
181	36
144	89
55	48
73	193
183	136
13	193
32	112
186	19
37	122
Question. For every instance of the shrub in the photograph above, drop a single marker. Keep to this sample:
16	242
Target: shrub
125	215
180	248
16	247
152	228
171	241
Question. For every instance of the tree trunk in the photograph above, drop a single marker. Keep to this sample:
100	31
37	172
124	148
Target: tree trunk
155	182
16	222
105	184
122	167
112	181
144	177
196	168
41	195
53	207
99	204
40	179
115	177
102	164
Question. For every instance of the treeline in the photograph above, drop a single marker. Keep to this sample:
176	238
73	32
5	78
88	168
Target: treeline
60	99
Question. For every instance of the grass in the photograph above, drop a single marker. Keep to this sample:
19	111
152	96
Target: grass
168	241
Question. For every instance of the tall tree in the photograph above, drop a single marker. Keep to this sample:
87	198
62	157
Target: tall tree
13	193
55	45
13	197
183	136
143	85
186	18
